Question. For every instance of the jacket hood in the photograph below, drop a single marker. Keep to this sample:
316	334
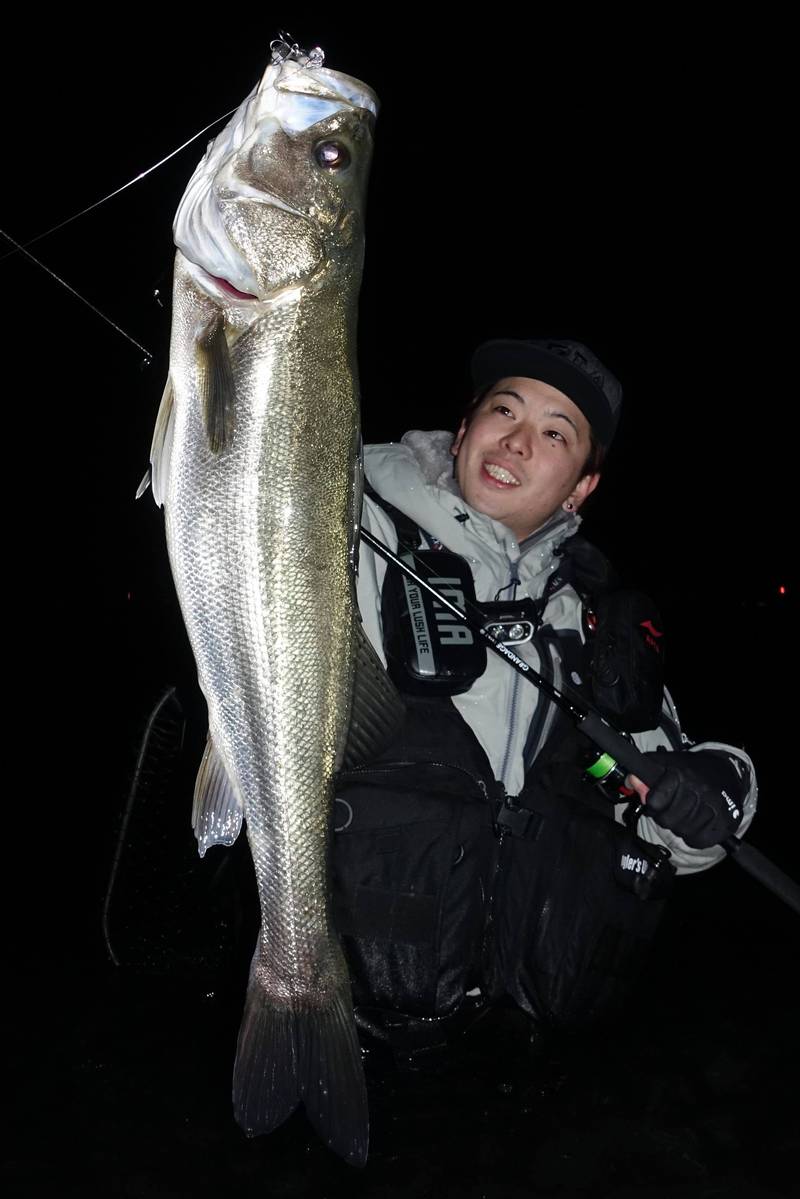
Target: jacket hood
416	475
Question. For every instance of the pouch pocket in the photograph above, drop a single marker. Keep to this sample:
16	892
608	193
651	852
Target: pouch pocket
575	913
410	873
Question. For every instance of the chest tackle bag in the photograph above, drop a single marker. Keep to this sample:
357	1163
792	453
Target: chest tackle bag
441	882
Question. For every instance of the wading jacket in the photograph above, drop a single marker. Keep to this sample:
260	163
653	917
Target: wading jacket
473	860
416	476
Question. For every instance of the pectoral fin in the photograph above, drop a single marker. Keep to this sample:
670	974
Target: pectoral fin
218	392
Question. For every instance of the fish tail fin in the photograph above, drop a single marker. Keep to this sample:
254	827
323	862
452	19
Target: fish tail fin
334	1088
299	1052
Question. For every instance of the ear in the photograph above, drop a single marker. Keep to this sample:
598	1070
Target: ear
456	446
582	490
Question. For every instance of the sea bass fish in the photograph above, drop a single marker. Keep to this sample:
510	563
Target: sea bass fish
255	460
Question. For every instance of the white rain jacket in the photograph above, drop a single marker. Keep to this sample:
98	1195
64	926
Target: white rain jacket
416	476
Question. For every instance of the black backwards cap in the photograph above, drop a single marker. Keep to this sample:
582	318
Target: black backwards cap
567	365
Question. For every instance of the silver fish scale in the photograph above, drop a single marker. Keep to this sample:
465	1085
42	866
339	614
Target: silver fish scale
257	481
259	539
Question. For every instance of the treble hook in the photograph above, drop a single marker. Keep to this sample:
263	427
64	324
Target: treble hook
284	47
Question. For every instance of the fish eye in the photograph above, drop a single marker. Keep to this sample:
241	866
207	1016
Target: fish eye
332	155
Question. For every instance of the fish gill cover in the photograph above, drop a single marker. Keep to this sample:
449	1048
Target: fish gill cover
295	92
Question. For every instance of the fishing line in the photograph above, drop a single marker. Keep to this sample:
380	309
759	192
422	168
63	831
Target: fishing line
110	196
147	354
21	247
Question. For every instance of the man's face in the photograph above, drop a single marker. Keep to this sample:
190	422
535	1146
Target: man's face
522	455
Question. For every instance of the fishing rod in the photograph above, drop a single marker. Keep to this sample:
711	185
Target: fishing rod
618	753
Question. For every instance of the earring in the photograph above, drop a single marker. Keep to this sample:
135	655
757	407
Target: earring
569	506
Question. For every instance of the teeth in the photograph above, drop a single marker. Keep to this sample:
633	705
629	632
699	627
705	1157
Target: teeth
499	473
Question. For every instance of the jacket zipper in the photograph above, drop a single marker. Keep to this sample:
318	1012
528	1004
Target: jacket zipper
512	714
391	767
488	964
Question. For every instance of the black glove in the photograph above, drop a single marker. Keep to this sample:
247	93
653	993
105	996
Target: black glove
700	796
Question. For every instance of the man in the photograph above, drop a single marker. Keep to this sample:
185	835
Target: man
475	857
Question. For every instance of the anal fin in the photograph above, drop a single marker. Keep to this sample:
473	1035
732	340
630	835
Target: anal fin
217	809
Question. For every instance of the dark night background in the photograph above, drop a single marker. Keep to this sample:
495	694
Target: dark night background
624	183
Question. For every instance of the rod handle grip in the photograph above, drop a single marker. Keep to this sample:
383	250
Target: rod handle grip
621	749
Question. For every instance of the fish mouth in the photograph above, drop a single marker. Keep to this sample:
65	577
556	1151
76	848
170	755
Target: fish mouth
217	287
230	290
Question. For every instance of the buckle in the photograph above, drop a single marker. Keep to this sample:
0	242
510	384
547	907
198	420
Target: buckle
520	822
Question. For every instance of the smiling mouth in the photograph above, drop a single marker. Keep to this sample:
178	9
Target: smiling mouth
499	474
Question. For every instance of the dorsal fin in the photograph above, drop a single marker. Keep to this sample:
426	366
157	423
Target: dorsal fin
377	711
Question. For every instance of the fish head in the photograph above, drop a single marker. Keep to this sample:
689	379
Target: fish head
278	200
